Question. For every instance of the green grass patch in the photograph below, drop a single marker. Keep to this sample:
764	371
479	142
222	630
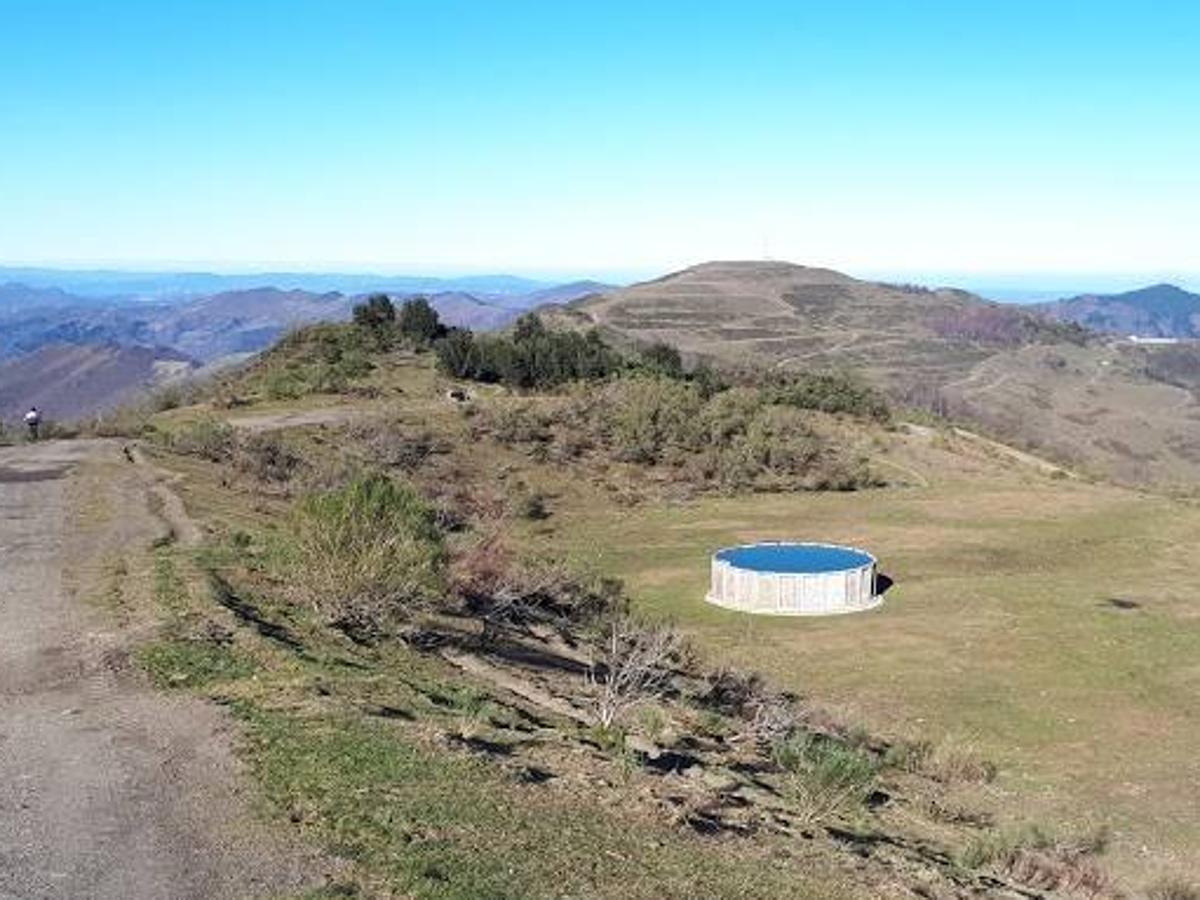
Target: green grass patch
181	663
447	825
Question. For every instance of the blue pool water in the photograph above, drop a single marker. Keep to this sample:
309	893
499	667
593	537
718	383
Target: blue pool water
794	558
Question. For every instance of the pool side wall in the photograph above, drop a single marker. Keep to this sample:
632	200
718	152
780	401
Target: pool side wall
794	594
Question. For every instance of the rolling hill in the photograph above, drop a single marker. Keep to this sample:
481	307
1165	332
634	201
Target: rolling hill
1114	410
783	314
68	381
1161	310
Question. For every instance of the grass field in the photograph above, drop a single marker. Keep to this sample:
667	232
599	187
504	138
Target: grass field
1050	623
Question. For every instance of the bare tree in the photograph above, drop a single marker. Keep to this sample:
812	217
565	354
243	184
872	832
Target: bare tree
639	661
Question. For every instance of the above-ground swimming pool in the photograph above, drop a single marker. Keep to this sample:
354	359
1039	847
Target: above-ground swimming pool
793	579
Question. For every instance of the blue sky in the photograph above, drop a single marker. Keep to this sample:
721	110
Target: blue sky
989	139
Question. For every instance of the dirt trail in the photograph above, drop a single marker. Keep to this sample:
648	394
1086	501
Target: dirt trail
108	788
332	415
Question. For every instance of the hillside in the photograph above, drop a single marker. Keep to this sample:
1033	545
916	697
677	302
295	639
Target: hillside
66	381
1115	411
1054	599
777	313
16	298
1161	310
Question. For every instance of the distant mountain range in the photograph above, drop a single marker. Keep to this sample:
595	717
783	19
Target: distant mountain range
93	349
179	285
211	326
1161	310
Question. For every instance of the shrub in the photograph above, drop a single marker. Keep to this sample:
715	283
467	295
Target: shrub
316	359
662	359
266	457
370	555
1172	889
207	438
505	591
515	421
824	777
532	506
954	762
647	416
1038	859
832	392
638	662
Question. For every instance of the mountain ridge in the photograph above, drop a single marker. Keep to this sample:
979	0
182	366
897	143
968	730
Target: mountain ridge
67	381
1160	310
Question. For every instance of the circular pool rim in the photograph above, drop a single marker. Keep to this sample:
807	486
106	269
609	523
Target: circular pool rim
774	592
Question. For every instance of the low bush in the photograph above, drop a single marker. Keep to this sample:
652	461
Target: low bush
1173	889
735	440
638	662
732	692
831	392
1038	859
369	555
824	777
531	505
266	457
391	443
207	438
505	591
955	762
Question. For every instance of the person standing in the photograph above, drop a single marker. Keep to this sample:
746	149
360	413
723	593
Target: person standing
33	421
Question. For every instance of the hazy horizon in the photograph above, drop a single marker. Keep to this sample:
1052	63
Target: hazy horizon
1008	286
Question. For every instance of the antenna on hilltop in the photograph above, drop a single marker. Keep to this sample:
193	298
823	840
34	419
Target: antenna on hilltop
766	246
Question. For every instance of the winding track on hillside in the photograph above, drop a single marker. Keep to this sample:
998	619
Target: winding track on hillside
108	788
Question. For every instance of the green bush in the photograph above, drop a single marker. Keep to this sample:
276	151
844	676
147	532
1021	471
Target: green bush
370	554
831	392
532	357
662	359
824	777
649	416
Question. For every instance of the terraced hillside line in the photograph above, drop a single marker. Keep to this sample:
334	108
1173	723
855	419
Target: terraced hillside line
108	789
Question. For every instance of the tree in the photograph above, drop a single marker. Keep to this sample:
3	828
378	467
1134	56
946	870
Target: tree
663	359
458	355
528	328
376	314
419	322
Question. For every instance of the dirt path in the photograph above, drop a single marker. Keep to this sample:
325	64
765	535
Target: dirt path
333	415
108	788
